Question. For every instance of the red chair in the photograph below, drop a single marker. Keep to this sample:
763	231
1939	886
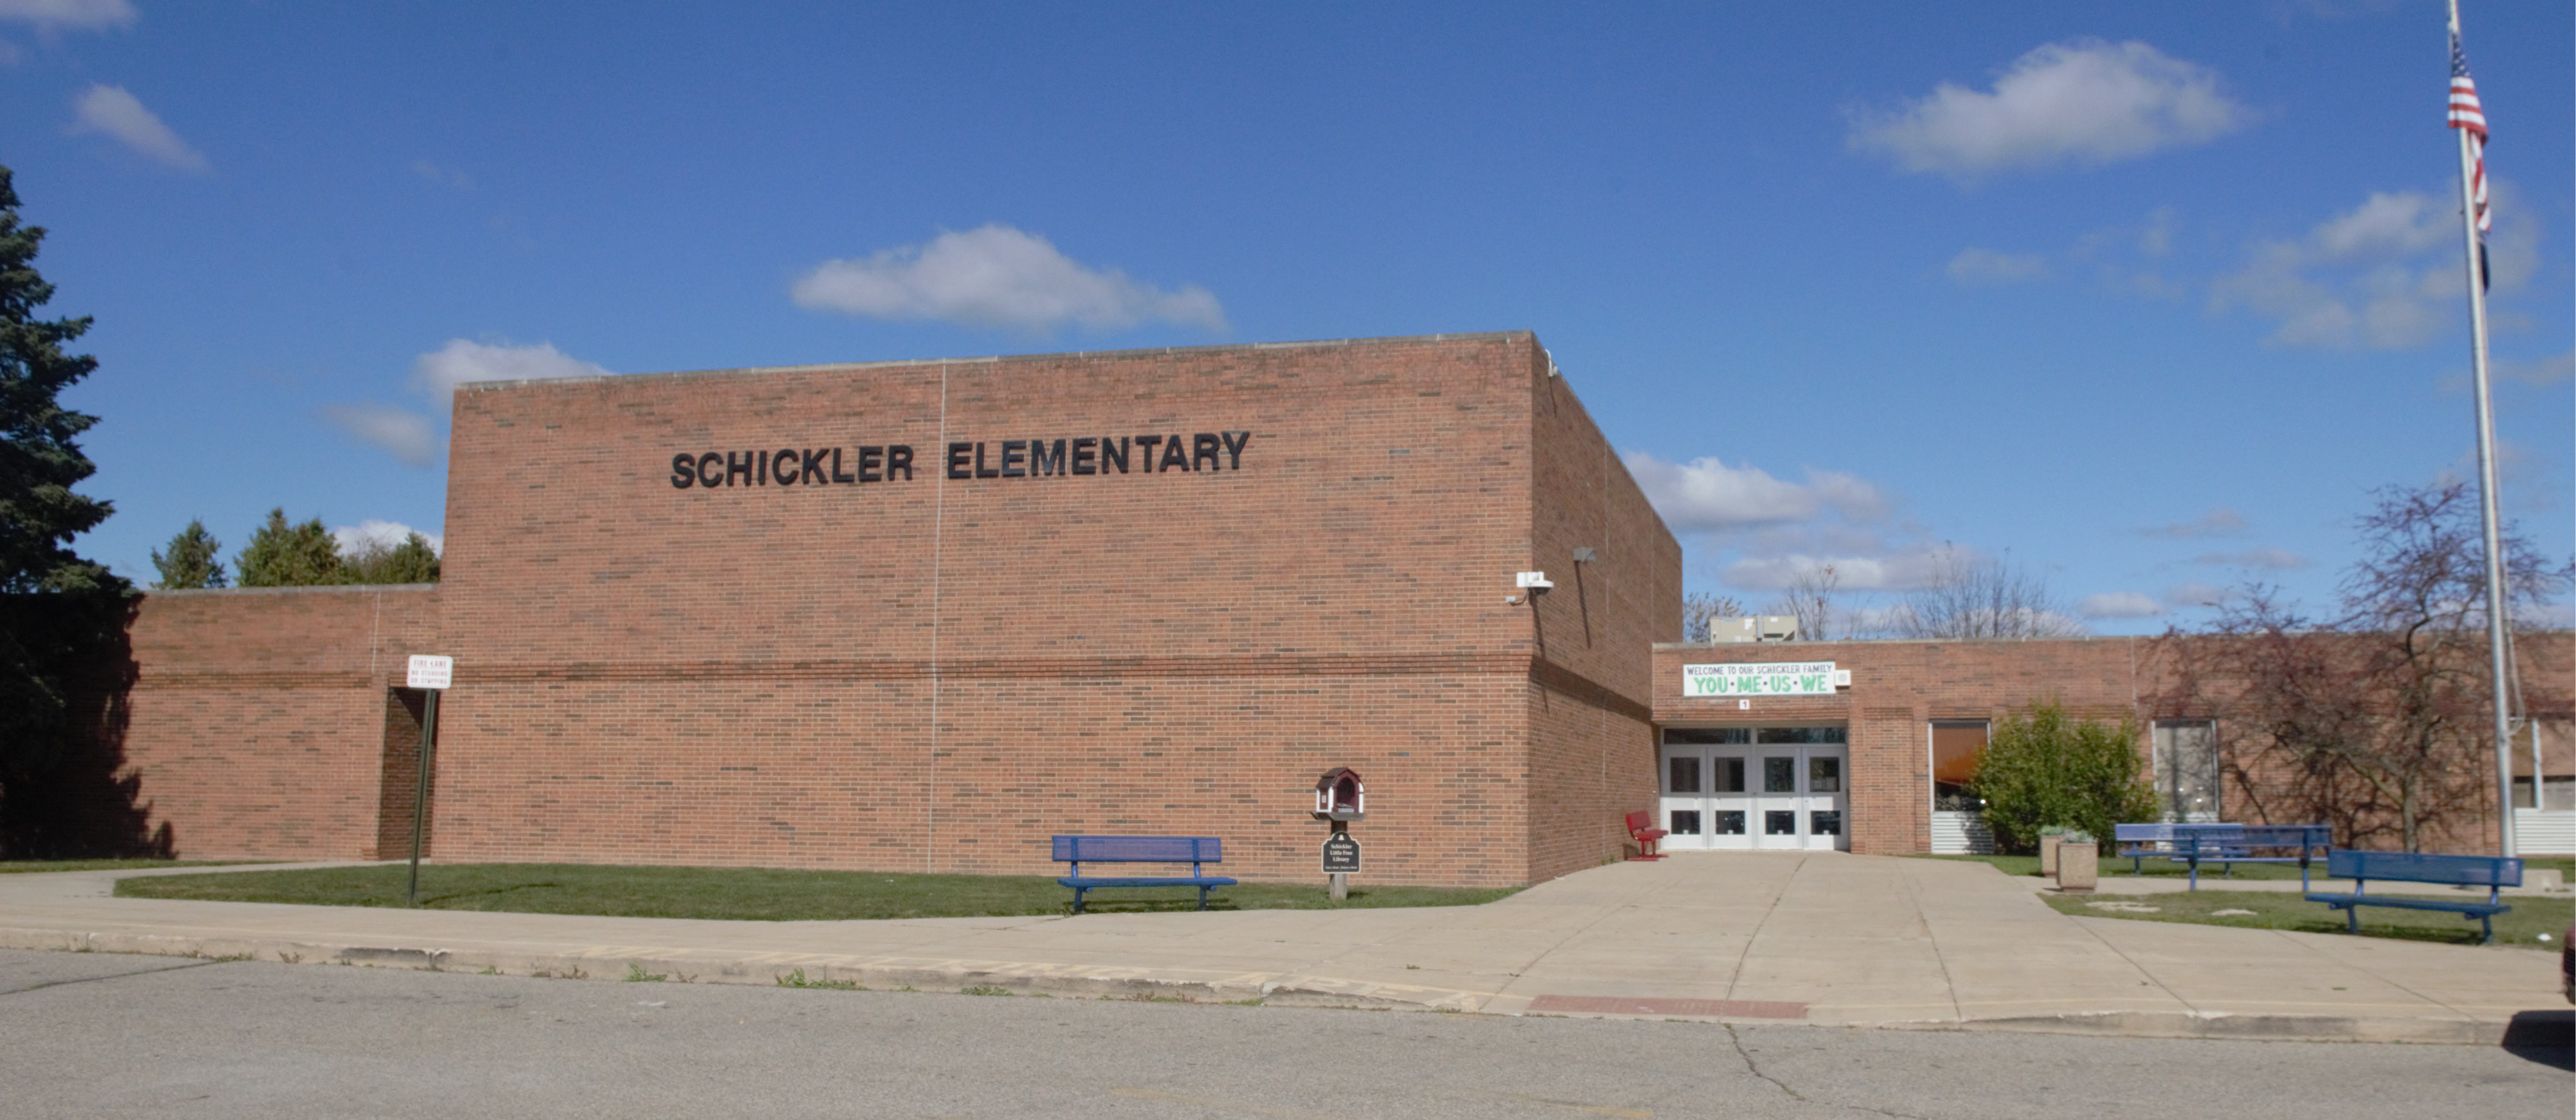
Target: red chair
1649	838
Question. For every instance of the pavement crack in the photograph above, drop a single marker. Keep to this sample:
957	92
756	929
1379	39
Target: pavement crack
111	976
1755	1068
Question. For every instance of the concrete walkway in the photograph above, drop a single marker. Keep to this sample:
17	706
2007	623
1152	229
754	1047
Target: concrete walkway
1821	938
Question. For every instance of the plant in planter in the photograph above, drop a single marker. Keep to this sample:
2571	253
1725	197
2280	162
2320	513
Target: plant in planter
2044	768
2049	838
2079	861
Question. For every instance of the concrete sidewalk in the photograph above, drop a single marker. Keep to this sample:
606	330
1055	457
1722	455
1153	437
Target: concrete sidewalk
1822	938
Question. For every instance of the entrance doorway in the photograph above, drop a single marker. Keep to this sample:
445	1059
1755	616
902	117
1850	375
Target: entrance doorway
1756	788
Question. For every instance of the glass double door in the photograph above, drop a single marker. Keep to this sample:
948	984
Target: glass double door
1755	795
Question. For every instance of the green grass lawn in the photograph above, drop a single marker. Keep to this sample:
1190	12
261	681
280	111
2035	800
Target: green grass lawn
751	894
2523	925
2168	869
9	866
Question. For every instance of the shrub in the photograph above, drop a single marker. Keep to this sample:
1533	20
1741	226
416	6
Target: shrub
2043	769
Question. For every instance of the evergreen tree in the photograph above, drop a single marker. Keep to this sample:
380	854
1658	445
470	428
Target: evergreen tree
191	561
412	561
61	617
39	462
283	555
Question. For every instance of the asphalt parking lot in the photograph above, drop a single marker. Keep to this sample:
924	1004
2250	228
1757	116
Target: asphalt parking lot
98	1034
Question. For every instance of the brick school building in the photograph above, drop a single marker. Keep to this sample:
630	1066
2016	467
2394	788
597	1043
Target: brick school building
921	616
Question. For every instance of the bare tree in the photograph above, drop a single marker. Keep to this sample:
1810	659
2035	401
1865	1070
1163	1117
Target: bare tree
1698	607
1971	598
1810	597
2377	719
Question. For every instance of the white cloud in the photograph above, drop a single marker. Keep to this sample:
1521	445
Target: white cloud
2085	102
2539	373
111	111
351	539
79	15
2220	521
1897	568
405	433
2277	559
2157	239
2119	604
1986	266
997	276
440	371
2387	274
1706	494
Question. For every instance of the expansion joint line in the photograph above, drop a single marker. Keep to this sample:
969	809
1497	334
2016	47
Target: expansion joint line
1746	953
114	976
938	552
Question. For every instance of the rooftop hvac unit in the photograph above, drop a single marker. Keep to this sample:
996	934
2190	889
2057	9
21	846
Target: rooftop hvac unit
1779	628
1724	630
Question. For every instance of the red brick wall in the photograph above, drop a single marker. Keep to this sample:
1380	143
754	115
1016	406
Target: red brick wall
1592	753
258	716
938	674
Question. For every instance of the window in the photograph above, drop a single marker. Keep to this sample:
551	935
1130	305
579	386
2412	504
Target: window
1956	745
1825	822
1685	775
1824	775
1779	775
1779	822
2187	769
1730	776
1730	822
1803	735
1682	736
1685	822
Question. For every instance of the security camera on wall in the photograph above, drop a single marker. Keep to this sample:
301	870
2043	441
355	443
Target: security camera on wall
1536	583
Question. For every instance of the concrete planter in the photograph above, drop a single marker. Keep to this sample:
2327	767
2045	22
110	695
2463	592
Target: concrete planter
2079	866
2048	854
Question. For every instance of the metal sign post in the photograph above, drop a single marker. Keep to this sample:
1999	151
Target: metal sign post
431	675
1341	860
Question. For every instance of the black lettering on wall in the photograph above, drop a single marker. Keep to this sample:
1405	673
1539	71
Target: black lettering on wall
1235	442
740	470
837	476
1117	458
764	468
1014	453
982	471
1203	448
1045	461
707	462
956	460
1145	450
814	474
1173	456
681	477
786	473
871	456
899	458
1085	449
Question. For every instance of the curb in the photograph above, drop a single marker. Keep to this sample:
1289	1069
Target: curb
1127	984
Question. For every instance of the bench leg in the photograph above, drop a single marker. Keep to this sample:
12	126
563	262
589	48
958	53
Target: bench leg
2487	922
1203	898
1077	899
2352	920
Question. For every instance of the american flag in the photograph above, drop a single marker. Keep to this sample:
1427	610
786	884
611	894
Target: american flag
2465	114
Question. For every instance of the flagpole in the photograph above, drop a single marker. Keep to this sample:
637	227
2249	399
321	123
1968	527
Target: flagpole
2496	618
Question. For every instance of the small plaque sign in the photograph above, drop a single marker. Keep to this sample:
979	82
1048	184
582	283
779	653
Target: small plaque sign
428	671
1341	855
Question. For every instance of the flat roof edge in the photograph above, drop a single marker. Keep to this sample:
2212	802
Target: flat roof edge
748	371
323	589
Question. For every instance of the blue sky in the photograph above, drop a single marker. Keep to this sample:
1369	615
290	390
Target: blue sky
2146	298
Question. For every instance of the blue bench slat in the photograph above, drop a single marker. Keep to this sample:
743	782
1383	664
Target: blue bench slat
2402	902
1139	849
2425	867
1144	881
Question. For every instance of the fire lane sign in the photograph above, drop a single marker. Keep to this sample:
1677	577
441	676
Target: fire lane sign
1795	678
428	671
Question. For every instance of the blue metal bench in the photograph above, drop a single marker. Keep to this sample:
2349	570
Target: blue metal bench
1192	850
2492	872
2223	844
